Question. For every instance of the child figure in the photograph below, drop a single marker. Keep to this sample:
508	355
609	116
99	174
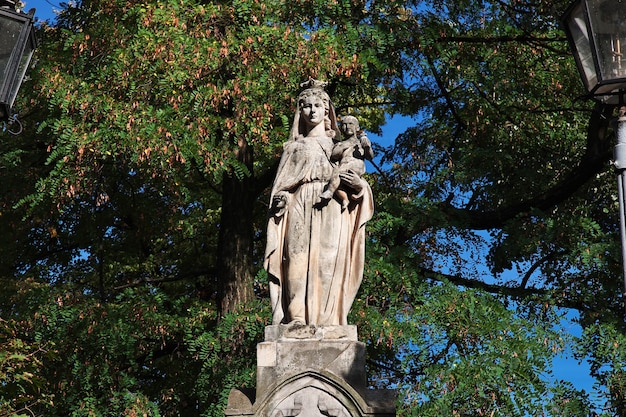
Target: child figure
350	154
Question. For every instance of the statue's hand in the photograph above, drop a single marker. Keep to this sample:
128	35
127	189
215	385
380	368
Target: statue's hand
352	180
279	204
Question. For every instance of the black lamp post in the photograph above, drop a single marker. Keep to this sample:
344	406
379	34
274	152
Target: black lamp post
17	44
596	30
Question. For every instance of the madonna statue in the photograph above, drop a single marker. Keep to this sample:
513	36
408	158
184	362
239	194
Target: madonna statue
315	245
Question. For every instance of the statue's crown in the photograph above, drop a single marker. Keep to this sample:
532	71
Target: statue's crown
313	83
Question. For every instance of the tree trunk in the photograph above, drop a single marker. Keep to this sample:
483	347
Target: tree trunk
236	234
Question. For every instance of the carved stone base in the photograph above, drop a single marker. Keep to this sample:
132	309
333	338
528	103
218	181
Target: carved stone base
309	371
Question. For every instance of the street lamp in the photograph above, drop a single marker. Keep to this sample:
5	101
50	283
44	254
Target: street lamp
596	30
17	44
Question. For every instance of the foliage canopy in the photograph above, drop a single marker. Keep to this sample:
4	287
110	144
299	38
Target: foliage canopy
134	205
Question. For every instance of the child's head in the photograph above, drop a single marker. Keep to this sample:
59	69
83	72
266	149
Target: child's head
349	126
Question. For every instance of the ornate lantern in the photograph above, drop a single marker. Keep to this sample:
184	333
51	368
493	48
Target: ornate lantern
596	30
17	44
597	33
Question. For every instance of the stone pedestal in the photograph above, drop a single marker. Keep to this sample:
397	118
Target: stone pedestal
310	371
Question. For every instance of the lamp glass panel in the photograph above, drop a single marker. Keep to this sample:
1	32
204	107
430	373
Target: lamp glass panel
10	30
577	26
608	25
21	71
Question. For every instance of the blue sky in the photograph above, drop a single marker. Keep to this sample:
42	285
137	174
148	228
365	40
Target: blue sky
565	368
45	8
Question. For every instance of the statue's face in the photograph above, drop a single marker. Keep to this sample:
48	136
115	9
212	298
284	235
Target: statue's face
312	110
349	127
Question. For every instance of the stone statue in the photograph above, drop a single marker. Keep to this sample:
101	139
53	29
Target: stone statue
316	244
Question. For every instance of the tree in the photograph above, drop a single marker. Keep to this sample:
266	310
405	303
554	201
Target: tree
135	203
159	125
496	189
188	94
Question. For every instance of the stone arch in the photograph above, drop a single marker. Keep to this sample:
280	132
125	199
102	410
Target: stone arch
311	394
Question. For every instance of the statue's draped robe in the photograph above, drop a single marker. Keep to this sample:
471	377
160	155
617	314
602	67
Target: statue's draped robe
315	253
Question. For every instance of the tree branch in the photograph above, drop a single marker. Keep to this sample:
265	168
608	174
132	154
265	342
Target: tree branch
536	266
516	293
513	292
597	154
525	38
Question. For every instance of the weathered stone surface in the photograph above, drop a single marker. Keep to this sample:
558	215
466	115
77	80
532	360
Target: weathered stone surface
241	400
317	394
293	332
315	249
311	371
310	401
281	359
